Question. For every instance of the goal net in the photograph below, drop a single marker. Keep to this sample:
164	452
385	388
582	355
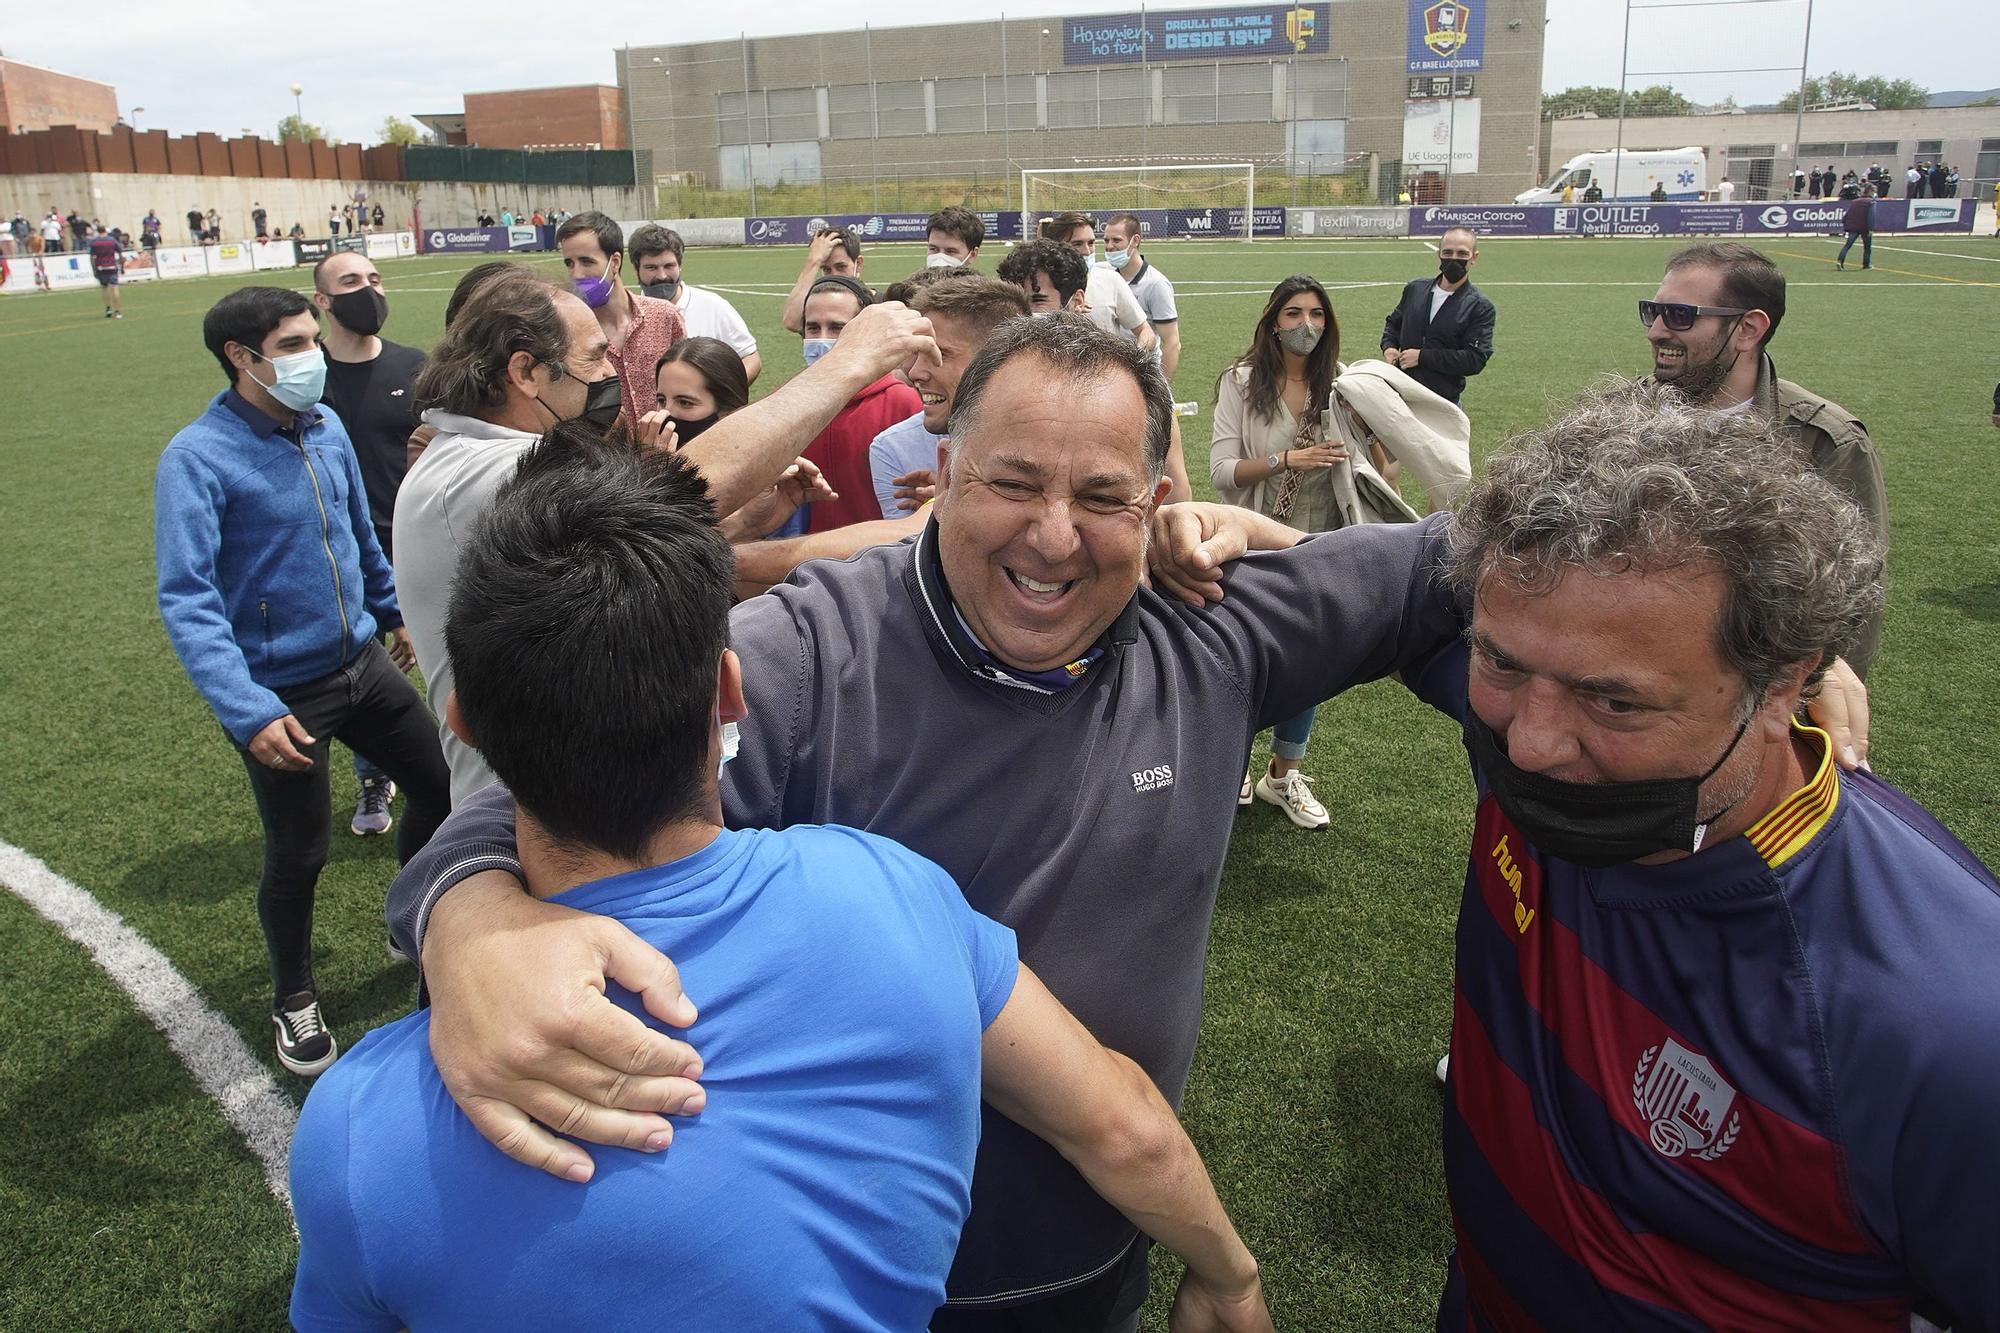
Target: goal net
1172	199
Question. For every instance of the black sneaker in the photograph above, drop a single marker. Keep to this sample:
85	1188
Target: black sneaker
304	1045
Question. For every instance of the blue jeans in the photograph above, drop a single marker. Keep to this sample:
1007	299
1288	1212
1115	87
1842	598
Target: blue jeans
366	769
1288	738
1867	239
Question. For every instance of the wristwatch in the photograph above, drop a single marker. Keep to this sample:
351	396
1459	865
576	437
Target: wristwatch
1276	462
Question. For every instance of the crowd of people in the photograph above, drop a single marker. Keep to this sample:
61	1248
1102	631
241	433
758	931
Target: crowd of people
932	830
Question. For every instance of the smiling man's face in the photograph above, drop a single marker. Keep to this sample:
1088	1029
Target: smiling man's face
936	381
1043	514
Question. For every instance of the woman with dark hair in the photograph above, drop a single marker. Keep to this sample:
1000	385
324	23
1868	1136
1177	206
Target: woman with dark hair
1271	452
697	382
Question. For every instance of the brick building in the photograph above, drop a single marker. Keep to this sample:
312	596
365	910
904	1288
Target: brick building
590	115
1298	85
33	98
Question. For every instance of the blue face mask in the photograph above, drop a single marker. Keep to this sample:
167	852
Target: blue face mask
301	377
815	348
1117	258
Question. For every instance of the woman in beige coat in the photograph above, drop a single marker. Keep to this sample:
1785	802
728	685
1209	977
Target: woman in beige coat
1270	452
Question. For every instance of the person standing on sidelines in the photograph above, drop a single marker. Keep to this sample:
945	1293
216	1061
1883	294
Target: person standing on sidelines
1858	221
1154	292
1441	331
274	592
260	219
107	263
637	329
371	383
1111	305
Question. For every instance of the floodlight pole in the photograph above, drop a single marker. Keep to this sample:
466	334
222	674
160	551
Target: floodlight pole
1007	120
749	149
874	123
1799	118
1624	64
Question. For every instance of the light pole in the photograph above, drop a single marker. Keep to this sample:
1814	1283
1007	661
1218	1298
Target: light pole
299	111
137	112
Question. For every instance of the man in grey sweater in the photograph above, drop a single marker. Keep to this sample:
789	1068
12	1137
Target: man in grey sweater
1003	696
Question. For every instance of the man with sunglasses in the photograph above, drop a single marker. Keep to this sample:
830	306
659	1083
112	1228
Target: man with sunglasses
1709	325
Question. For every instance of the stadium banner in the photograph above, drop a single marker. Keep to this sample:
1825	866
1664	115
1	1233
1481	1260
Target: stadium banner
71	269
465	240
527	238
1187	223
1198	34
273	254
381	245
233	257
406	244
139	267
1435	130
1446	36
181	261
1347	221
313	249
1778	218
884	227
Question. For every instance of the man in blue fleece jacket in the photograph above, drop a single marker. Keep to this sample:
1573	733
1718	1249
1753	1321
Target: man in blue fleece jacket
274	592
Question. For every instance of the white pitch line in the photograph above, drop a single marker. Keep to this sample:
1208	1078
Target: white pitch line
211	1049
1937	254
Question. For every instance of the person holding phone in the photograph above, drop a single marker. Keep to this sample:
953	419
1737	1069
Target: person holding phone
1270	452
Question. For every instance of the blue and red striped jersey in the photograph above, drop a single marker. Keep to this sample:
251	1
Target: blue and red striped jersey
1754	1088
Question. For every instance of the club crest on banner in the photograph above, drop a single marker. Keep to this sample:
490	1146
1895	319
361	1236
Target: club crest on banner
1300	25
1444	27
1685	1101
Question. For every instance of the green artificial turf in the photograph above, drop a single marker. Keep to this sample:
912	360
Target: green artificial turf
125	1199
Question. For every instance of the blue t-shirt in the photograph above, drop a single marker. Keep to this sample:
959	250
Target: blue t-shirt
844	984
903	448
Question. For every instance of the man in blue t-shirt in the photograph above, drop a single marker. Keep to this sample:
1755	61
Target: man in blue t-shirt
825	1170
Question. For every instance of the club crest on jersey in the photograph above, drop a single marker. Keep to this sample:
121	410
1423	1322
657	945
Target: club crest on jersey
1685	1102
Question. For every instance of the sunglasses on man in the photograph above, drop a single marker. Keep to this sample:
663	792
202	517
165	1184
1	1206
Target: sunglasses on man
1679	316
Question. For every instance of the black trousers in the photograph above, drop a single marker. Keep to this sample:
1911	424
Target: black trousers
1108	1303
376	712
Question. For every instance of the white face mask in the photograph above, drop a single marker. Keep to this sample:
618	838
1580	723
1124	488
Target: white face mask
731	742
942	260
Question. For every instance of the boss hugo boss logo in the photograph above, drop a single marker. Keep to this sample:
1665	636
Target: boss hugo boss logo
1154	778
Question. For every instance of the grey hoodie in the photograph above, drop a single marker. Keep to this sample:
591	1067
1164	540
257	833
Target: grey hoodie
1093	821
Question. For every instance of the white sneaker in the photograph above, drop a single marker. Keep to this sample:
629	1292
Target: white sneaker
1292	794
1444	1067
1244	797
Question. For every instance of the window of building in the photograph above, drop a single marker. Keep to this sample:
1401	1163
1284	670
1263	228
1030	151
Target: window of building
1319	90
1245	93
961	105
1190	95
1073	100
1121	96
1010	102
899	107
848	112
1875	148
1930	147
791	114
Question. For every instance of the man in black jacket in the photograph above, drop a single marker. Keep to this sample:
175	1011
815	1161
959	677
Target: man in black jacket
1442	329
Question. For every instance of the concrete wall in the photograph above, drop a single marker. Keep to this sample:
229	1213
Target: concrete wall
586	116
122	200
673	92
1963	130
33	98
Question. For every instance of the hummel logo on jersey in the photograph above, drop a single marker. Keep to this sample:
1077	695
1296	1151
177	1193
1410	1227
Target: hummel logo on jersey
395	393
1686	1100
1153	779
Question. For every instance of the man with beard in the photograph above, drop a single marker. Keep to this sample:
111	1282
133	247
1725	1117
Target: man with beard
371	384
1709	325
1441	330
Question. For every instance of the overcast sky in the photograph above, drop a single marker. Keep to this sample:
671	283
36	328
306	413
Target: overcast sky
201	66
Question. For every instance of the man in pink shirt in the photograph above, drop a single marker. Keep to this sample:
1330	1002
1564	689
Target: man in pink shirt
639	328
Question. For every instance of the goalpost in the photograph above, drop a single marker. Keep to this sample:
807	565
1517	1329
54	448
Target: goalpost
1202	191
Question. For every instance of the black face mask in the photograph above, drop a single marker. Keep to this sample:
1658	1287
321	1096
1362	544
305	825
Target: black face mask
685	431
600	403
664	291
362	311
1596	824
1453	270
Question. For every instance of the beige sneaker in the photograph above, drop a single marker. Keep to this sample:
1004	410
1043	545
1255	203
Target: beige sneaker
1292	793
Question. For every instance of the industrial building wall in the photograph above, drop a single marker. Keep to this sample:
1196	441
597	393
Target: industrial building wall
33	98
585	116
1967	137
952	99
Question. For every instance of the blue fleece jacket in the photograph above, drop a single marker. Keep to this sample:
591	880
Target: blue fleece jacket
270	574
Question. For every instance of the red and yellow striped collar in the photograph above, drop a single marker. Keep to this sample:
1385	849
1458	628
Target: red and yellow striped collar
1791	824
